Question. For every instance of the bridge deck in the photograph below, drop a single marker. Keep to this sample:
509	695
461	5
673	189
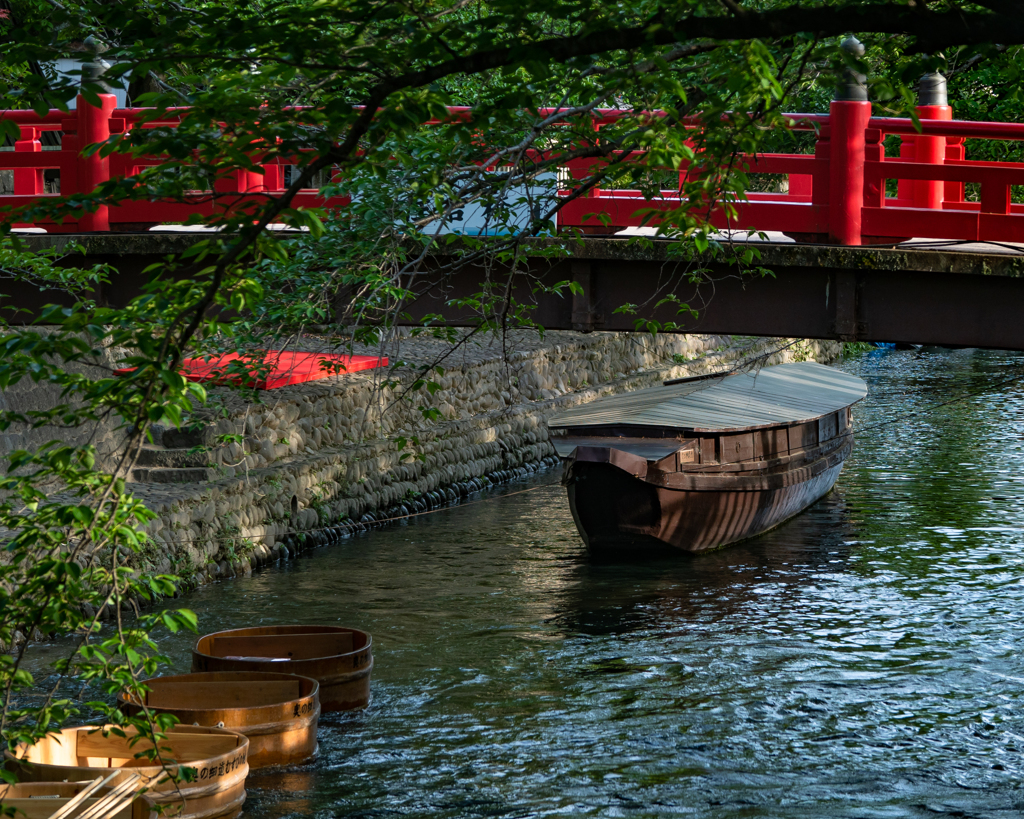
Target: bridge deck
921	292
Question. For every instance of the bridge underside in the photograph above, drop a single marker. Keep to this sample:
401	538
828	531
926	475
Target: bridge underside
956	296
853	294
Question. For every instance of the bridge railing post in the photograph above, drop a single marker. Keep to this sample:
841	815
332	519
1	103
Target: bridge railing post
93	127
93	170
932	103
849	115
28	181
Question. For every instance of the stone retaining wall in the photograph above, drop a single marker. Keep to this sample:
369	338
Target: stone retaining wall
317	460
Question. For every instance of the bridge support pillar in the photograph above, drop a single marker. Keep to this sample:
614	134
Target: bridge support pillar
846	328
583	303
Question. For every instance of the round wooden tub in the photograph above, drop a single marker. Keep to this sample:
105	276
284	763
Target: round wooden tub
40	800
278	712
83	753
340	659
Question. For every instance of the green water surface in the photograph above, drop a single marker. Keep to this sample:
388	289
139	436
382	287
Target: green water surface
862	660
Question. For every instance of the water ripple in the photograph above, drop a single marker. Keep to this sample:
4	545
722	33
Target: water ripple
861	661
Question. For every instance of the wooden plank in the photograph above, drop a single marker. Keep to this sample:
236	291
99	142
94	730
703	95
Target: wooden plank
184	747
120	795
769	443
42	807
802	436
828	427
735	448
286	646
72	804
672	463
708	447
218	695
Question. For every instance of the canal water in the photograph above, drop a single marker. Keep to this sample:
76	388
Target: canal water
863	660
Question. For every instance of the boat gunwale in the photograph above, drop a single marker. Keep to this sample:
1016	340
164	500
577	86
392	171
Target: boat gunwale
270	631
159	769
741	482
808	454
242	709
765	465
717	482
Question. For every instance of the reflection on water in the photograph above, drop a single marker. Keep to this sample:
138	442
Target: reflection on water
860	661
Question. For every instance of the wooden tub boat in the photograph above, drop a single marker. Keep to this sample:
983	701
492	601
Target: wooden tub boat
41	800
277	712
702	462
339	658
83	753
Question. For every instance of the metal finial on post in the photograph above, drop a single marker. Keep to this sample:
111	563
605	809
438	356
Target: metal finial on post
931	90
851	45
852	87
95	67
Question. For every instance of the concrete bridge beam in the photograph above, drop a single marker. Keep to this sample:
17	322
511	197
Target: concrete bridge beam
955	295
902	294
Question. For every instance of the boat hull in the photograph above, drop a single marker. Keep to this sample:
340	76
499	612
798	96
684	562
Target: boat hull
343	674
277	712
619	514
81	754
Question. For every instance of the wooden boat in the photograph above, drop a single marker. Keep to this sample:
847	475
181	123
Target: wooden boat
339	658
702	462
277	712
41	800
83	753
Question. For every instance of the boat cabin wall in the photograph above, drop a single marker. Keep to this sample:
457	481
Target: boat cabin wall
688	454
764	444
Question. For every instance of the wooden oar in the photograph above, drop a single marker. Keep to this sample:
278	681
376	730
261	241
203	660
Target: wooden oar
113	806
121	795
72	804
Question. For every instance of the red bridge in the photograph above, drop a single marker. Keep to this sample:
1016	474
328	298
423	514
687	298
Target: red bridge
836	194
933	293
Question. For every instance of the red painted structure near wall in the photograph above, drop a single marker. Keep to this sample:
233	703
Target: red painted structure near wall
281	368
835	195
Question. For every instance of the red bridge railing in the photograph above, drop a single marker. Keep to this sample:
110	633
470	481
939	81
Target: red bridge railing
837	194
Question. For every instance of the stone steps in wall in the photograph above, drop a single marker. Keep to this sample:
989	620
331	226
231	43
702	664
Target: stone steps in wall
198	474
180	438
160	456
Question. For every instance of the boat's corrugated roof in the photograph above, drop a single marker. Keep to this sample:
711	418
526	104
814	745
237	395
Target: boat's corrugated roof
783	394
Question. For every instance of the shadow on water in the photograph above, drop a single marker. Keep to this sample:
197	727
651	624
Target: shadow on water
609	597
